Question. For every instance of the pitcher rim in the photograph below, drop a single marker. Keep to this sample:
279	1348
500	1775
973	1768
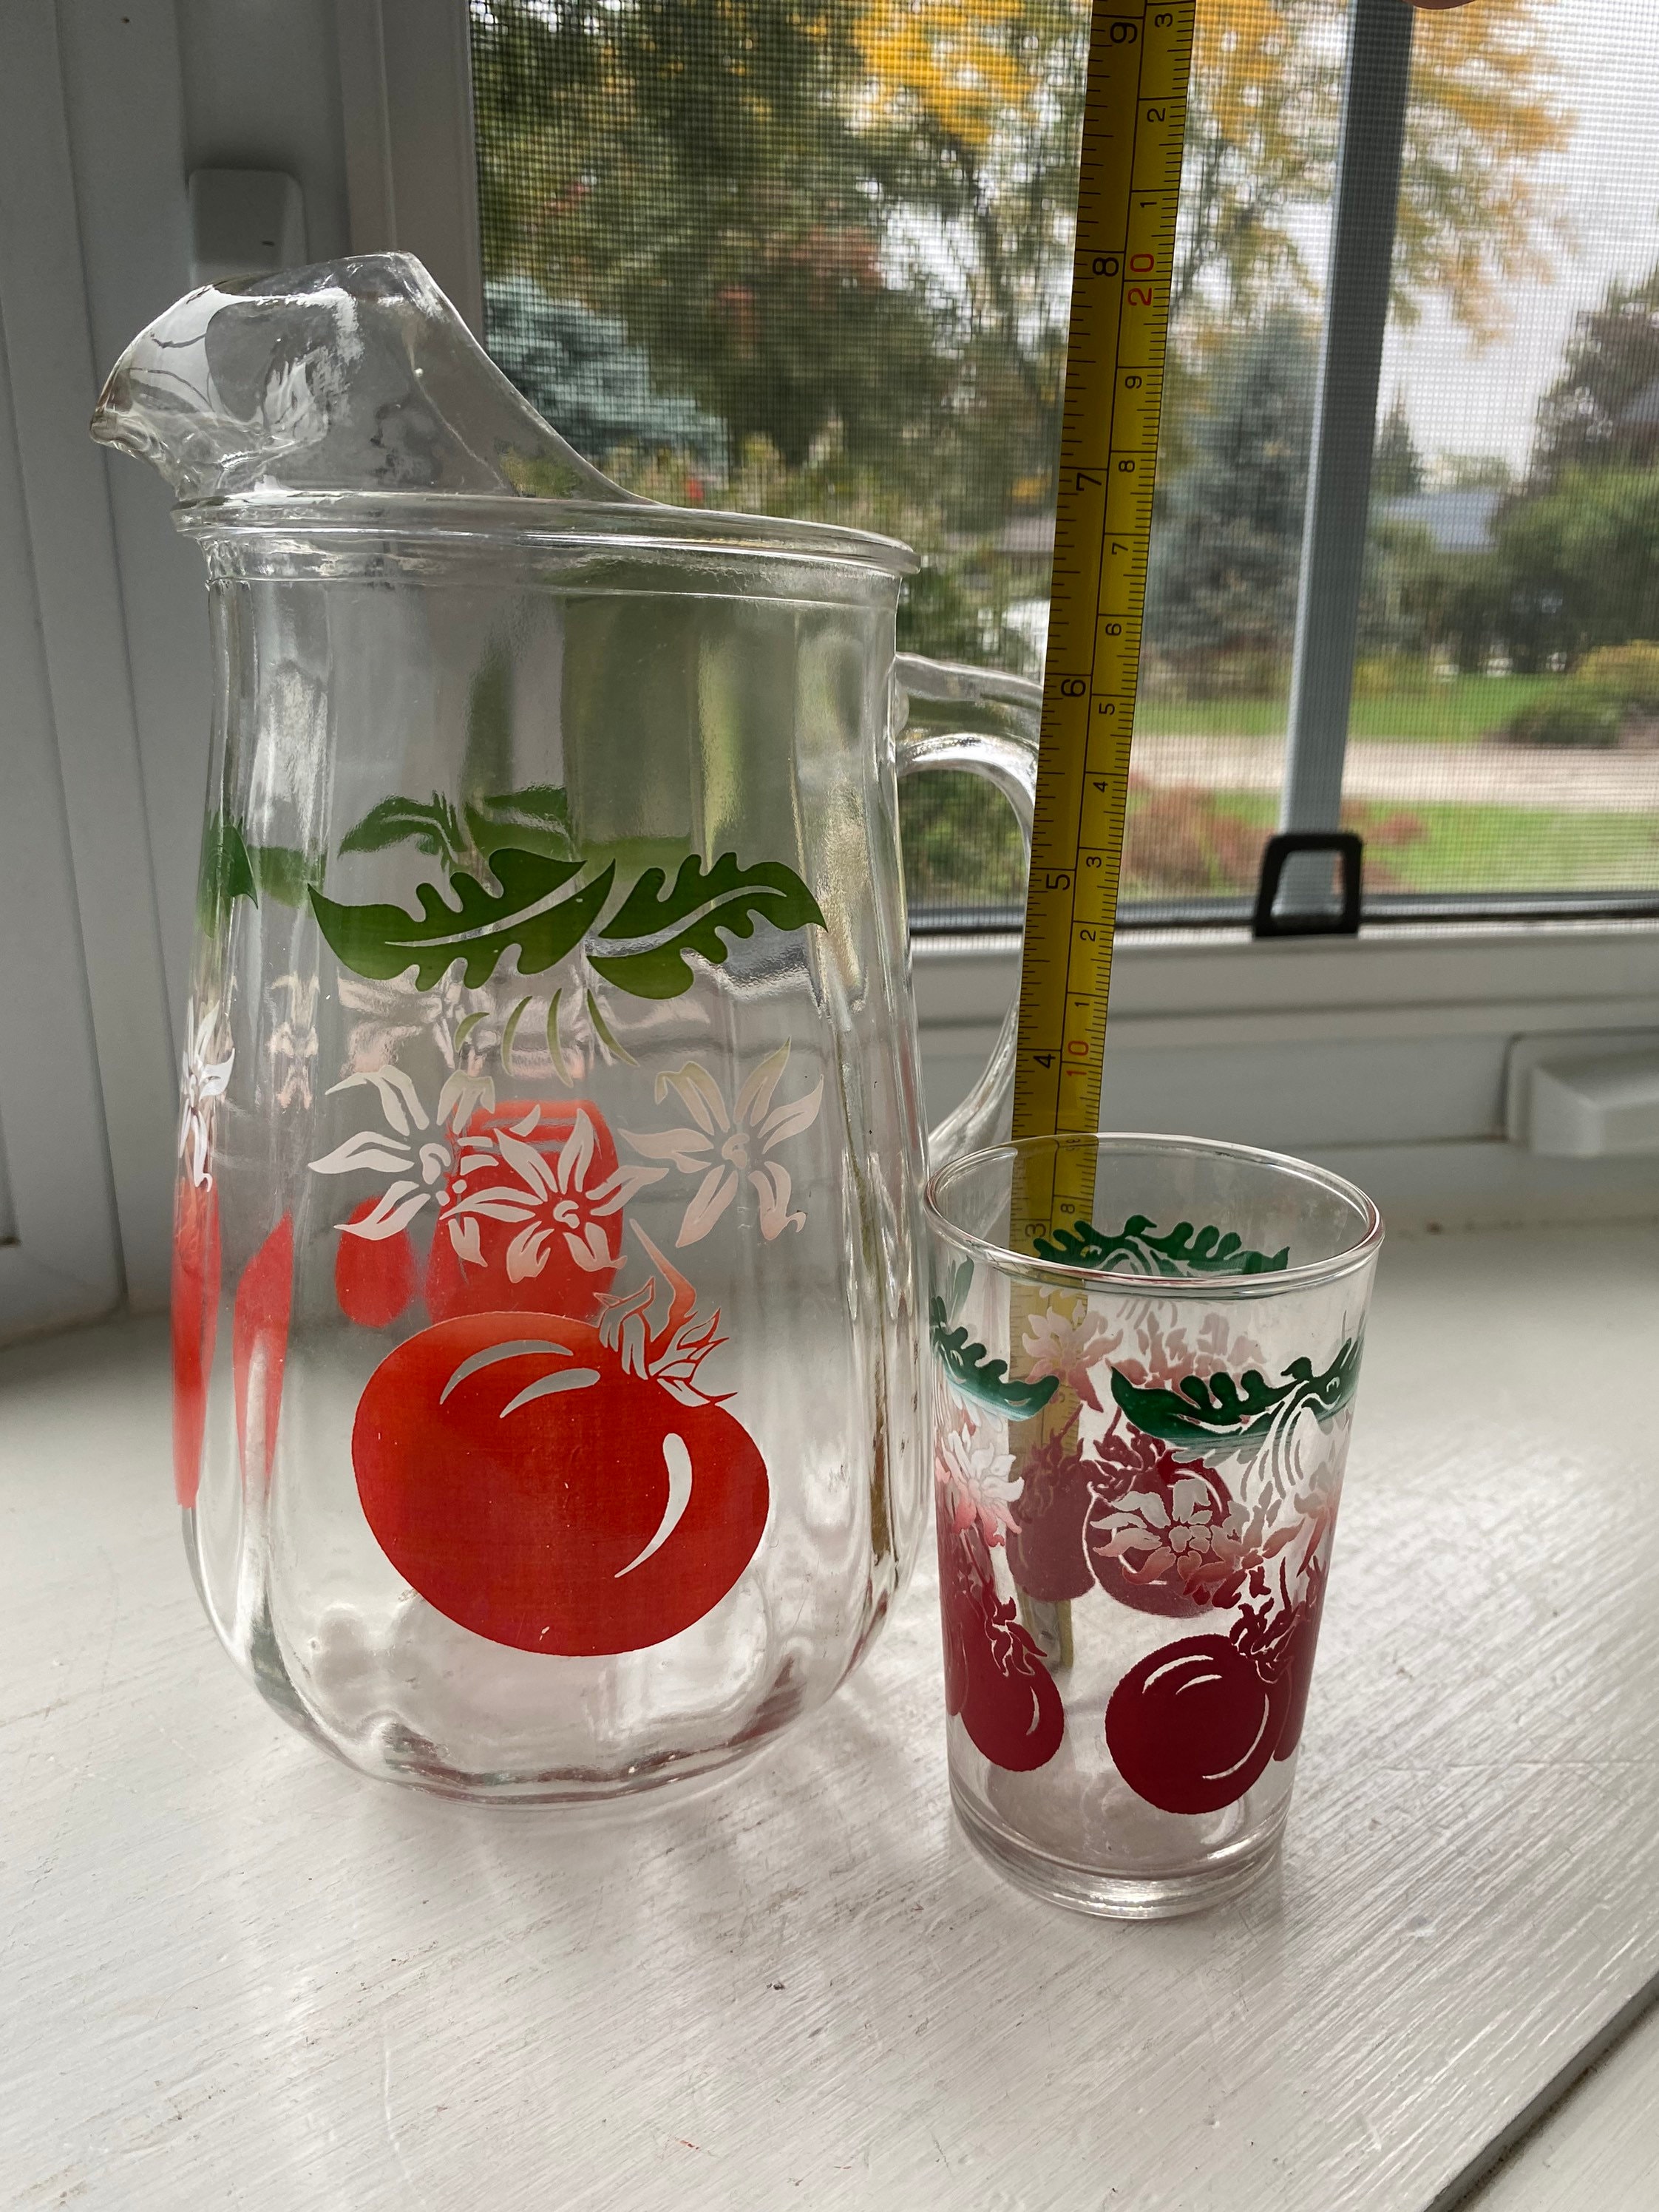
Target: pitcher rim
511	519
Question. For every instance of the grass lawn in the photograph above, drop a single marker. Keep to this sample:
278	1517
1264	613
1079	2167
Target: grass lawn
1457	713
1491	848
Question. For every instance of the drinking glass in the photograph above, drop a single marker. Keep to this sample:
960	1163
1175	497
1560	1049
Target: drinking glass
1138	1437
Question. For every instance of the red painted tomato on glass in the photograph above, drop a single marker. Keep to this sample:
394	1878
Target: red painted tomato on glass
539	1491
259	1341
994	1675
374	1278
195	1326
1193	1726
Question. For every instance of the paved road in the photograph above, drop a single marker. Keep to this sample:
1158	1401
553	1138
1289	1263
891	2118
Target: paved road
1392	769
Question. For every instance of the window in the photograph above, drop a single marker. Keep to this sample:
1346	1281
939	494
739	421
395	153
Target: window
812	256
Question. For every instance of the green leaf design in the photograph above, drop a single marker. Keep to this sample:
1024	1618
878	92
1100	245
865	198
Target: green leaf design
985	1380
730	899
226	872
283	872
382	941
233	869
1199	1412
536	820
1185	1251
433	827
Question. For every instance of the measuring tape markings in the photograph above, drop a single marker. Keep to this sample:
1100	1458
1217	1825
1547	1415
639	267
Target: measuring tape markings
1134	120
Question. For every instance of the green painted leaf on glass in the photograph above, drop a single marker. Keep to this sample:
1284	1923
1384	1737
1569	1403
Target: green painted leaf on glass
433	826
225	872
1185	1251
985	1380
524	916
536	820
233	869
1199	1411
723	898
283	872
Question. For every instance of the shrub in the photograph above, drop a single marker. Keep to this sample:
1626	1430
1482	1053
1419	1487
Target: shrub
1573	717
1610	694
1627	673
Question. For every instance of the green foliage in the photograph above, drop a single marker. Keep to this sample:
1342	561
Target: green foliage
1602	411
224	872
1613	689
433	826
524	916
693	168
283	873
1582	561
1199	1411
1397	467
231	868
580	371
1184	1251
537	819
1570	718
986	1381
382	941
731	898
1221	587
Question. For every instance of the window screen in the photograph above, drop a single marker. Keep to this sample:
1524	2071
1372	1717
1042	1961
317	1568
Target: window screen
812	257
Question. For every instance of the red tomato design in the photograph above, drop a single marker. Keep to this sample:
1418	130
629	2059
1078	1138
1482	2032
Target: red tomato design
1045	1551
195	1326
1296	1679
539	1492
374	1278
1193	1726
528	1226
994	1674
265	1299
1156	1532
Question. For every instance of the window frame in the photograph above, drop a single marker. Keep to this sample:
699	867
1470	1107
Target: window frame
109	108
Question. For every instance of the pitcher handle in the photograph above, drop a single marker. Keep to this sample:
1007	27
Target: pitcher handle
995	737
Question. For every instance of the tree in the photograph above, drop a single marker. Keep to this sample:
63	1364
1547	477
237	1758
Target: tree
1603	410
692	166
1261	143
592	386
1582	563
1397	469
1221	589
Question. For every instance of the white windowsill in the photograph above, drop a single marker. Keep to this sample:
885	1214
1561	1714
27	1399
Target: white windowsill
1384	1056
251	1976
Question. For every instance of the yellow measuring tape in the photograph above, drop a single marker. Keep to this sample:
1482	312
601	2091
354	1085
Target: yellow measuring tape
1134	118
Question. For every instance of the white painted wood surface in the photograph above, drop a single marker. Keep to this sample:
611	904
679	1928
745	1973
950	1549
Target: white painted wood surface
1599	2150
237	1976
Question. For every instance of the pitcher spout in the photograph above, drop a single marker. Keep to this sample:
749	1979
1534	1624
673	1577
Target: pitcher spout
350	376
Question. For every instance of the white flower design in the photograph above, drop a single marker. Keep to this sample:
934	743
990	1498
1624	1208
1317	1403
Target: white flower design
1067	1344
1191	1526
728	1145
546	1199
473	1175
293	1041
204	1079
418	1165
974	1476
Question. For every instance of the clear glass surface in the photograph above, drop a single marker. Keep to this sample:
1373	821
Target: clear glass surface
1139	1428
548	1314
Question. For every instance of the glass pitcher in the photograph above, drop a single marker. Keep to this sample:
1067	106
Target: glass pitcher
548	1311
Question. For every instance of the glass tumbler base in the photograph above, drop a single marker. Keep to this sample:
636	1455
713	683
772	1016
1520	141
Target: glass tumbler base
1118	1896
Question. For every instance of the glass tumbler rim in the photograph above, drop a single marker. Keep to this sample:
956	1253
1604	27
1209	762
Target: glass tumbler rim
1061	1274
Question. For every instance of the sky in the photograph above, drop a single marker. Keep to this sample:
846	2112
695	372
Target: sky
1462	400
